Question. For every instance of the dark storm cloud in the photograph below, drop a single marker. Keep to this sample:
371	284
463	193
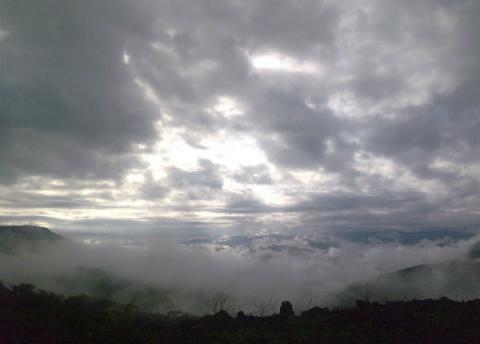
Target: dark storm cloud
69	105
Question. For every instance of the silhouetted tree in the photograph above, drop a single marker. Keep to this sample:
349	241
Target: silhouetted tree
264	307
217	302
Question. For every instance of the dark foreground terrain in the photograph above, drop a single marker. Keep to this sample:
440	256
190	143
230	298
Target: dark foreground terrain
31	316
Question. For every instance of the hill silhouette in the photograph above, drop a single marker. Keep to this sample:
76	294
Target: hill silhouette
17	238
91	280
459	280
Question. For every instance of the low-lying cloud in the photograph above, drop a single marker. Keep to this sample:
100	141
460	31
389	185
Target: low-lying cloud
250	271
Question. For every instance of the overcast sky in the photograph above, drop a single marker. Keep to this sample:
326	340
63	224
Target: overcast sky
208	117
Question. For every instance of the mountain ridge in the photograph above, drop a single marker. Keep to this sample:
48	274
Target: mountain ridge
14	238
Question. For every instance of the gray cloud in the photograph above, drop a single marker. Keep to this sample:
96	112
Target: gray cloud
254	175
281	266
295	134
207	176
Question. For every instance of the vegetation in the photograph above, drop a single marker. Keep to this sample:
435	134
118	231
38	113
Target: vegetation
28	315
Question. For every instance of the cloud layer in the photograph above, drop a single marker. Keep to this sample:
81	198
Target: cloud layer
251	271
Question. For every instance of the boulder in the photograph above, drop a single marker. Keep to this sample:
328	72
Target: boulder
286	309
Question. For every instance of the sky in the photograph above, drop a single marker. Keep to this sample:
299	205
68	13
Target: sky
209	121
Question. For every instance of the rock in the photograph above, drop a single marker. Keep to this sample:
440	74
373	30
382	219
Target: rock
286	309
